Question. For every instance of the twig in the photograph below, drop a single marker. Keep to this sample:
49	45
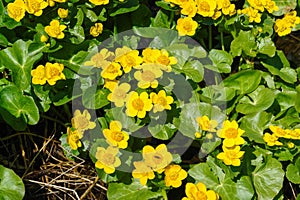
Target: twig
89	189
294	194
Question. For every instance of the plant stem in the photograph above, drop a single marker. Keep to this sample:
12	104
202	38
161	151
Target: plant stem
222	40
164	194
209	37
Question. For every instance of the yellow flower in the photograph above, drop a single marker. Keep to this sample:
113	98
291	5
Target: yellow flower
161	101
231	156
206	8
115	136
270	6
112	71
54	72
166	60
96	30
101	59
44	38
158	159
291	145
206	124
227	7
293	134
279	132
35	6
73	138
189	8
148	75
128	59
99	2
119	94
110	84
138	105
271	140
82	122
253	14
142	172
257	4
107	159
198	192
51	3
62	13
174	175
38	75
198	135
284	26
55	30
16	10
231	134
186	26
150	55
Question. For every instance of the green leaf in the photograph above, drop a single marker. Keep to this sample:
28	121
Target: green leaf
244	43
43	95
135	190
19	59
202	173
17	124
255	124
217	93
5	20
3	40
11	185
259	100
286	99
68	152
284	6
297	103
19	105
162	131
193	70
91	15
266	184
221	61
161	20
246	81
127	7
78	32
245	188
165	5
95	99
293	172
267	46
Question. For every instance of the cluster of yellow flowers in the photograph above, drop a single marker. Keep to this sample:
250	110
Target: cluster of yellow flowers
278	132
80	123
49	73
256	8
204	8
146	70
232	138
199	191
285	25
18	8
158	160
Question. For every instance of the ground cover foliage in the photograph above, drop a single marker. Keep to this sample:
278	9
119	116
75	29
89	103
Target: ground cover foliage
169	99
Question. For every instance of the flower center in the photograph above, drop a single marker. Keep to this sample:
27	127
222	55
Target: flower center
130	61
112	69
164	60
35	6
120	94
204	6
109	159
201	195
174	175
161	101
187	26
54	72
231	133
117	136
82	122
138	104
157	158
148	76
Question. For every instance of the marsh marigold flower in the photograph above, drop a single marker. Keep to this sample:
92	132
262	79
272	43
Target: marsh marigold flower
115	136
96	30
128	59
73	138
231	156
35	6
226	7
270	6
186	26
55	30
293	134
44	38
158	159
199	191
279	132
101	59
62	13
284	26
253	14
81	121
143	172
206	8
231	133
257	4
51	3
138	105
110	84
165	60
206	124
16	10
38	75
112	71
54	72
147	77
119	94
161	101
150	55
107	159
271	140
174	175
189	8
99	2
